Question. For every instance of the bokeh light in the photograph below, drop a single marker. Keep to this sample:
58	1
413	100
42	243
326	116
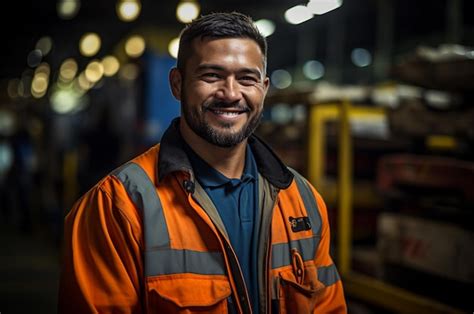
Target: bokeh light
313	69
128	10
281	79
89	44
188	10
111	65
173	47
68	9
94	71
361	57
266	27
135	46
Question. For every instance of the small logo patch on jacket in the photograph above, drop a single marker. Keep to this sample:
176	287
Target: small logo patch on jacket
300	224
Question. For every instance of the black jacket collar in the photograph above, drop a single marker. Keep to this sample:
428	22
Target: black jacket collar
172	157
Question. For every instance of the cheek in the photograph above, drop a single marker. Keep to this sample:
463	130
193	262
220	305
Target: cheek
199	92
255	98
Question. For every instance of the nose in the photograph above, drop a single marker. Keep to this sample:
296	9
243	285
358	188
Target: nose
229	91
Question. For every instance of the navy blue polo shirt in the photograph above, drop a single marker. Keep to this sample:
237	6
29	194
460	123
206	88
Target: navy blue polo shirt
236	201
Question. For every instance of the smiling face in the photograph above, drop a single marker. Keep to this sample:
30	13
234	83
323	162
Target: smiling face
221	90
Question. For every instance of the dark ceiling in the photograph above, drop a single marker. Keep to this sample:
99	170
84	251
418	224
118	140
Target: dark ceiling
415	22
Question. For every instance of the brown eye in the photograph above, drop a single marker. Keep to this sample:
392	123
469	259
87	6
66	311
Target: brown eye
211	75
248	80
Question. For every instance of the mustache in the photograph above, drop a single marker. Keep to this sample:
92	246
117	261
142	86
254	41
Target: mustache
225	105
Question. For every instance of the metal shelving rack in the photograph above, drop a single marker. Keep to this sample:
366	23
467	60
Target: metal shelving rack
357	285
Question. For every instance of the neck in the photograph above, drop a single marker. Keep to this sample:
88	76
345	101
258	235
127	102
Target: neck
230	161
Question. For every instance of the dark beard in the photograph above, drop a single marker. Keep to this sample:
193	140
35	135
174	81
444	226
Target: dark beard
207	132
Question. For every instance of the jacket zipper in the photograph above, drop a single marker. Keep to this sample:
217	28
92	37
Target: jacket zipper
268	254
242	299
240	284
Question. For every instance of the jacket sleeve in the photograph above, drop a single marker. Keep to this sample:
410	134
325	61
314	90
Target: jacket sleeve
101	262
332	298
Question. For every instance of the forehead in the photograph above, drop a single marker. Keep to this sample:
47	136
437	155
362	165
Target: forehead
226	51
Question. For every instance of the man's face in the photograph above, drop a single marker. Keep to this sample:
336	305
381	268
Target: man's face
222	90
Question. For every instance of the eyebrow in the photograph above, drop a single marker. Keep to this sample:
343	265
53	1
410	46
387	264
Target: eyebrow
209	66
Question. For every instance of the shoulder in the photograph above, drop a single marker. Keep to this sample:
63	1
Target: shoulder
110	198
311	198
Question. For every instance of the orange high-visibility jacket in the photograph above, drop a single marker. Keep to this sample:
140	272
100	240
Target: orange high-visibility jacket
148	239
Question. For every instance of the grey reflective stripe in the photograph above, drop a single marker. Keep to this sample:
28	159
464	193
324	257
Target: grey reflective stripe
328	275
143	193
309	202
165	262
160	259
281	252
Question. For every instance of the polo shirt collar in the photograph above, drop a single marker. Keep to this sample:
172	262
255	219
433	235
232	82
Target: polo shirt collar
210	177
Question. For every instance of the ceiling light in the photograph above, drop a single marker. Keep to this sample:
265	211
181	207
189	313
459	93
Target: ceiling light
323	6
298	14
186	11
266	27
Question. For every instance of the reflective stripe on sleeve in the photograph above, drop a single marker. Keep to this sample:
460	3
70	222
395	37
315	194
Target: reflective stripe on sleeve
328	275
143	193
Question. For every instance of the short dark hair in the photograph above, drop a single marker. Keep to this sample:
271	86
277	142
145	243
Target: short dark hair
219	25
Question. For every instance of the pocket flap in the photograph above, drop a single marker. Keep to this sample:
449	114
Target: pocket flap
190	289
310	286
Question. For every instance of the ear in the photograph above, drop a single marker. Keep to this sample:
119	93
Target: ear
266	84
176	80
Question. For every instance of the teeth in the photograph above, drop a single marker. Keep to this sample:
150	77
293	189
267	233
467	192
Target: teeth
227	113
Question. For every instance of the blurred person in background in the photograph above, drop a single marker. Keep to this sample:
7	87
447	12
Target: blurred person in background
19	160
210	220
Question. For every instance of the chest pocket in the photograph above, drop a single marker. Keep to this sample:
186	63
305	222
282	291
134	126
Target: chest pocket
295	277
176	281
188	293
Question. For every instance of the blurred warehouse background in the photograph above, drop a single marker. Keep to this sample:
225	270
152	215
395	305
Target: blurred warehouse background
373	100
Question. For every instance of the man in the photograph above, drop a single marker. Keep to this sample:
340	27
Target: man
210	220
